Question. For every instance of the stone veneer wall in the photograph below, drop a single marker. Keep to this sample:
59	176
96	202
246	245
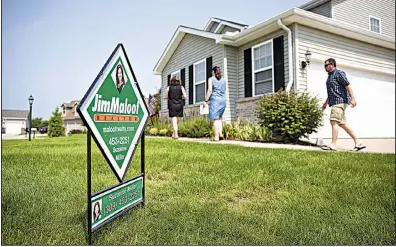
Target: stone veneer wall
189	112
246	109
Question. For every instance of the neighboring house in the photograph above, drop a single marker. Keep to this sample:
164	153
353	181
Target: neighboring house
71	119
14	122
261	59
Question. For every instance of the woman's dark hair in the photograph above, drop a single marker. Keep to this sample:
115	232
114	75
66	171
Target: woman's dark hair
96	204
122	72
175	80
331	61
215	68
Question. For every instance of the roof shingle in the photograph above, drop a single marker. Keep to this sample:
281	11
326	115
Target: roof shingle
15	114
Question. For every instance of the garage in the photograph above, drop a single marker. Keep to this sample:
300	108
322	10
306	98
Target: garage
13	121
374	115
14	127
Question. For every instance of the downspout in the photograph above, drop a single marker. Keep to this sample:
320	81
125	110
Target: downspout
290	54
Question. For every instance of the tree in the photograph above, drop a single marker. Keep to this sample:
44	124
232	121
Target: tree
44	123
55	126
36	122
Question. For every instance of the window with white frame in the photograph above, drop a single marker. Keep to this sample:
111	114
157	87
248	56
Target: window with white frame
176	73
199	81
262	59
375	24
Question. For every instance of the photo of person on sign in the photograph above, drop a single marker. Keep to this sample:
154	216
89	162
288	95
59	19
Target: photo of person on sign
120	79
97	212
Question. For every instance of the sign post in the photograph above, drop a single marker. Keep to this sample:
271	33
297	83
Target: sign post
115	114
89	185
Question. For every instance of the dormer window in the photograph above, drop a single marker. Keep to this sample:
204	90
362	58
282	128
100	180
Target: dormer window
375	24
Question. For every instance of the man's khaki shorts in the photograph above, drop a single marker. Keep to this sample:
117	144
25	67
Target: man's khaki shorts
338	113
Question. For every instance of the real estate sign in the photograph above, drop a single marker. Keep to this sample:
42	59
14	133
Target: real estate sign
115	111
113	201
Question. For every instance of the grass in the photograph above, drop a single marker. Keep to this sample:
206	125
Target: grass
201	194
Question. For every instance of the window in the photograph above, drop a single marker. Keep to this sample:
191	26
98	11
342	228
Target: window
199	81
262	60
177	74
375	24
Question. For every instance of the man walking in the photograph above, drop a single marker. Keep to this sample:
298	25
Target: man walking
339	96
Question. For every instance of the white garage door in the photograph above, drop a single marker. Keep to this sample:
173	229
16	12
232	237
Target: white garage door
14	127
374	115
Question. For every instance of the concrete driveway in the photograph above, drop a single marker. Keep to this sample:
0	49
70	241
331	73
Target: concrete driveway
373	145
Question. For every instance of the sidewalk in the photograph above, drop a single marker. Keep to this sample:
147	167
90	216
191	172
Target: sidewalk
344	145
22	137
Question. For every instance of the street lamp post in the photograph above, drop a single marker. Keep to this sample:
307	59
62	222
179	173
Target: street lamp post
30	116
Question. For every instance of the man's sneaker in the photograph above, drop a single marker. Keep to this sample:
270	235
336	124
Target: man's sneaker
329	147
359	147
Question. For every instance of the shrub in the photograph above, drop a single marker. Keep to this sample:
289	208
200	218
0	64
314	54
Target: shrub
154	131
290	116
246	131
147	130
76	132
202	127
195	128
228	131
163	132
160	125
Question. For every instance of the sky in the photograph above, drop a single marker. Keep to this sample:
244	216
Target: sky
54	49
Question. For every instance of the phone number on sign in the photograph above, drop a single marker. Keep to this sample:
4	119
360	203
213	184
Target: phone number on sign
122	140
121	202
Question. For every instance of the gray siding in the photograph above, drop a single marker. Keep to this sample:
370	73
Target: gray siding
232	81
323	9
228	29
191	49
241	67
357	12
329	45
214	26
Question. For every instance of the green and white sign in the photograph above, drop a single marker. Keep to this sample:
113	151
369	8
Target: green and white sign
111	202
115	111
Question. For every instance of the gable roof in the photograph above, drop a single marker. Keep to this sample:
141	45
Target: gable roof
233	22
175	41
72	103
23	114
223	21
294	15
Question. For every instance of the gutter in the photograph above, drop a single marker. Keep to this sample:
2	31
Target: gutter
290	52
258	26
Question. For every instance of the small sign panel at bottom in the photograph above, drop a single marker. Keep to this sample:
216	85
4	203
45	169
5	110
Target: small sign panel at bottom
105	205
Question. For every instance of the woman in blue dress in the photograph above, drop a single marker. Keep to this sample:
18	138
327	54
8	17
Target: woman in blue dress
216	95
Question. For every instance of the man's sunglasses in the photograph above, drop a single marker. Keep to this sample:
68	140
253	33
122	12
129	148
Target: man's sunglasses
327	65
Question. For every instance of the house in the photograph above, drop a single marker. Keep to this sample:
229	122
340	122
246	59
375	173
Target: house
288	51
71	119
14	122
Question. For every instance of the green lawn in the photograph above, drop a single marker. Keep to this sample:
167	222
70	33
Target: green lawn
201	194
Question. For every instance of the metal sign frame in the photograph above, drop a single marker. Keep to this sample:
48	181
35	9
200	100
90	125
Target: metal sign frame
89	195
140	138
